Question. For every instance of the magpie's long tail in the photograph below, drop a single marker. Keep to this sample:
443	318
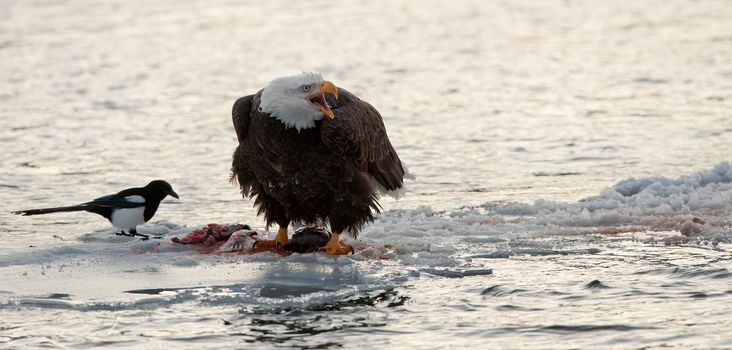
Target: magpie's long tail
51	210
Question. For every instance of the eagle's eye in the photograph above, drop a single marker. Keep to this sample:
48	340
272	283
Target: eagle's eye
305	88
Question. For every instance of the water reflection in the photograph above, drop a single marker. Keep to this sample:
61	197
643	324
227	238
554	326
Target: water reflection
301	327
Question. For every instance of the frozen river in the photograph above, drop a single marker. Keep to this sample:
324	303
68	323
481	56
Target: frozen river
574	184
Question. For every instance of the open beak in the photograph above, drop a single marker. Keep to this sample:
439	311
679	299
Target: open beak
173	194
318	98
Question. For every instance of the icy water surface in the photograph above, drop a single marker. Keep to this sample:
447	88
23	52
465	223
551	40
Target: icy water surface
574	185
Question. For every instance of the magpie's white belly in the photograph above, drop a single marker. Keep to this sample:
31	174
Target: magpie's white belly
128	218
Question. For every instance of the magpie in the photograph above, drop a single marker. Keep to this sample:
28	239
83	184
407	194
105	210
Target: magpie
125	210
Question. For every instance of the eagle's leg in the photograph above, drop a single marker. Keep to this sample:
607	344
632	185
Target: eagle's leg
333	247
277	243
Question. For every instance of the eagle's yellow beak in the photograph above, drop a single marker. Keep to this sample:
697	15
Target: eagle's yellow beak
326	86
318	98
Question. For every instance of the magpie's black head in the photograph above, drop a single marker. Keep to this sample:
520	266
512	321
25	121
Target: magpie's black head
161	188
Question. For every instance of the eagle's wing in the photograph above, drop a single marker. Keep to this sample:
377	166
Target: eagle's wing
240	114
242	111
358	131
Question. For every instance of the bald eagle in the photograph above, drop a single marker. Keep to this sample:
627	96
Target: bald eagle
313	154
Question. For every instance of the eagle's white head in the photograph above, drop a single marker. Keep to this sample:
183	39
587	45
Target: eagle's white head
298	100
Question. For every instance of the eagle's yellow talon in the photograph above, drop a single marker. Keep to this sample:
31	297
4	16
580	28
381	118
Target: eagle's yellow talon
333	247
276	244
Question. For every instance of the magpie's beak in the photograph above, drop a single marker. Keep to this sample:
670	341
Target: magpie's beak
173	194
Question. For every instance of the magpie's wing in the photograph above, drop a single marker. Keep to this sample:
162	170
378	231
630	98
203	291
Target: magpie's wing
117	201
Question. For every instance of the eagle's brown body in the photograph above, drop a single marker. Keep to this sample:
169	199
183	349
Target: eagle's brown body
327	173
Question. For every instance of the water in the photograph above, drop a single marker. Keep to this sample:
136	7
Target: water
563	151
